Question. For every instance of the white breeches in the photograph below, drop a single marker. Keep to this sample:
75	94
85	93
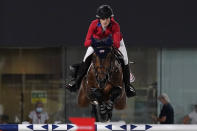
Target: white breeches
122	49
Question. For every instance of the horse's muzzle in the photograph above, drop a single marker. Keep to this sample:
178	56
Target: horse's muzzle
102	84
103	81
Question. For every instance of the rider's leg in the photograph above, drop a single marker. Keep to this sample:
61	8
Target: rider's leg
89	52
75	85
130	91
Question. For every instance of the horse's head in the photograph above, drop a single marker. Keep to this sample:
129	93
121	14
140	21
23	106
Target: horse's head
102	60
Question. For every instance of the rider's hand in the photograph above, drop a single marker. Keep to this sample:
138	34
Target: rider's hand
95	42
108	41
154	117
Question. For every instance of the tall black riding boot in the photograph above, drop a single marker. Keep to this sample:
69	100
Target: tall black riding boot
130	91
74	85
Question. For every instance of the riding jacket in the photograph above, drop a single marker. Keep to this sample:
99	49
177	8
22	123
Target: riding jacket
96	30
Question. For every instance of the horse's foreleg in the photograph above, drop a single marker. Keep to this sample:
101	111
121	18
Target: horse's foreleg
120	103
83	101
119	93
106	91
114	94
94	112
117	98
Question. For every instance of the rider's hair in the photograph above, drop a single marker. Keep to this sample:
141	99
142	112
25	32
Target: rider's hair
164	96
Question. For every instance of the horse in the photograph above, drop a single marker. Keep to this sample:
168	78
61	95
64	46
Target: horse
102	87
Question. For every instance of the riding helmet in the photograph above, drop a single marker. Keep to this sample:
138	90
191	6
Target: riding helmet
104	11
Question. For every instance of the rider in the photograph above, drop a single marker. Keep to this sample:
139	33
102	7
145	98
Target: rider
104	26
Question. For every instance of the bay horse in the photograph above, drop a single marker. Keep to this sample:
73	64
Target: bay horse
102	86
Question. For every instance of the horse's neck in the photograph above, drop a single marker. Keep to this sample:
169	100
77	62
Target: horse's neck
90	67
117	63
91	76
91	70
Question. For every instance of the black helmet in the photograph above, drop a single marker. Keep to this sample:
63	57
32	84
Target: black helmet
104	11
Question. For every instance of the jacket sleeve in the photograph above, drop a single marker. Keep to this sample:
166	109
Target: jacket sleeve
116	36
88	41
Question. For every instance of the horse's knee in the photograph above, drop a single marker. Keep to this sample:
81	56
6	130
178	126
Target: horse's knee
95	93
115	92
120	107
120	104
82	98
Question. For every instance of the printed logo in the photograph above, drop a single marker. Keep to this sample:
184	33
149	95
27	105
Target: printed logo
83	124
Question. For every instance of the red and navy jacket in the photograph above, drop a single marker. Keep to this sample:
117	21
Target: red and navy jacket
95	30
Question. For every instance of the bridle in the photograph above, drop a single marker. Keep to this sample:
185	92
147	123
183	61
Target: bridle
107	74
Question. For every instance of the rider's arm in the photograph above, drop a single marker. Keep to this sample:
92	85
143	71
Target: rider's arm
157	119
89	34
116	35
162	119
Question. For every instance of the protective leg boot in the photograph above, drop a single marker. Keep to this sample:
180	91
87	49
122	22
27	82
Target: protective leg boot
130	91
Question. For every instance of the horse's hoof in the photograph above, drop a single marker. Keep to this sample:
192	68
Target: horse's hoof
104	118
108	120
109	116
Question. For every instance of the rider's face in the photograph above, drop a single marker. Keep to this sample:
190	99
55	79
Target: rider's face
105	22
162	100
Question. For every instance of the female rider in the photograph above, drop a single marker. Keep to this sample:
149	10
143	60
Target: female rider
103	27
